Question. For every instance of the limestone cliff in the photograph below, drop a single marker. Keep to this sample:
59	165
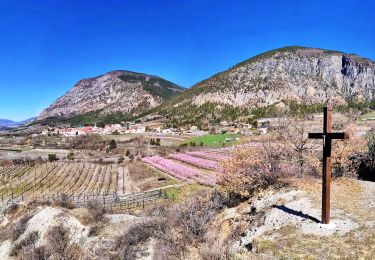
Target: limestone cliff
116	91
304	74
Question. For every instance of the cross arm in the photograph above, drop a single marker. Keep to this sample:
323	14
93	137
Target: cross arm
316	135
329	135
342	135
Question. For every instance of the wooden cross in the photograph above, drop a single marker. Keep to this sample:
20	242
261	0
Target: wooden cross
327	137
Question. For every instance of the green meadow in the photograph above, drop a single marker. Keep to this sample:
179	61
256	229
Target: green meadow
211	140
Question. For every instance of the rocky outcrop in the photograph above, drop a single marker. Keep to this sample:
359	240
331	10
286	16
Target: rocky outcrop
116	91
292	73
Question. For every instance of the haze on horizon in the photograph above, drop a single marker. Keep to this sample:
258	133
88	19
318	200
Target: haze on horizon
47	46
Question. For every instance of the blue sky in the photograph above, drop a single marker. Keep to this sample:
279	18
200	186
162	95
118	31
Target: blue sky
47	46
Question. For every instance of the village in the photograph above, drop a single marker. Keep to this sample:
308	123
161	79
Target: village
157	127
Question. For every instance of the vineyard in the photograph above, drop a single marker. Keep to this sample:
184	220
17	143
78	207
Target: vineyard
199	166
80	179
109	182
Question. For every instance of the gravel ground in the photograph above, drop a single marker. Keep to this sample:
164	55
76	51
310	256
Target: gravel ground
292	208
369	193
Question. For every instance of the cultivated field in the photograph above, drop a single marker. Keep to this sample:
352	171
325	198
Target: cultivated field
73	178
197	166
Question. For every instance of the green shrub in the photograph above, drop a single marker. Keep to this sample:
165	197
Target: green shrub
192	143
52	157
70	156
112	145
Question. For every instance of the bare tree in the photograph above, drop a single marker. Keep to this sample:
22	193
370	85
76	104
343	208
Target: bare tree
352	115
293	136
254	167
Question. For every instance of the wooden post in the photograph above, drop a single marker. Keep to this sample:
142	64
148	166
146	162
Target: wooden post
327	137
326	186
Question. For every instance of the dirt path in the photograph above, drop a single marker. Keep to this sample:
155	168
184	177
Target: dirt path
168	186
368	201
125	183
120	181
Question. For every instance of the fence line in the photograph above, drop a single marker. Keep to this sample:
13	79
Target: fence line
113	201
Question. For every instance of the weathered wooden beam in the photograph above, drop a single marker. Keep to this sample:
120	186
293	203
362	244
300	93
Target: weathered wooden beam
328	135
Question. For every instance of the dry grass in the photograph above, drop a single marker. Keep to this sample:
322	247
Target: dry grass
83	215
15	211
139	171
92	214
147	178
289	243
347	196
185	192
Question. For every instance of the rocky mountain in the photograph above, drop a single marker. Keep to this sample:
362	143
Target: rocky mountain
115	91
302	74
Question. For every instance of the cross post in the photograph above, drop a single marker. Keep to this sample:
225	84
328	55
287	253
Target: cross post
327	137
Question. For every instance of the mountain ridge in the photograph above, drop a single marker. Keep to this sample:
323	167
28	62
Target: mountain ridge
274	78
115	91
263	71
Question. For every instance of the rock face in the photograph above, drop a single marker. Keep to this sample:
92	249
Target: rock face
116	91
302	74
291	73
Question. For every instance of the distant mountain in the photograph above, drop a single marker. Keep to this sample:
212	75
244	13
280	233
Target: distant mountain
116	91
305	75
6	123
10	123
27	121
